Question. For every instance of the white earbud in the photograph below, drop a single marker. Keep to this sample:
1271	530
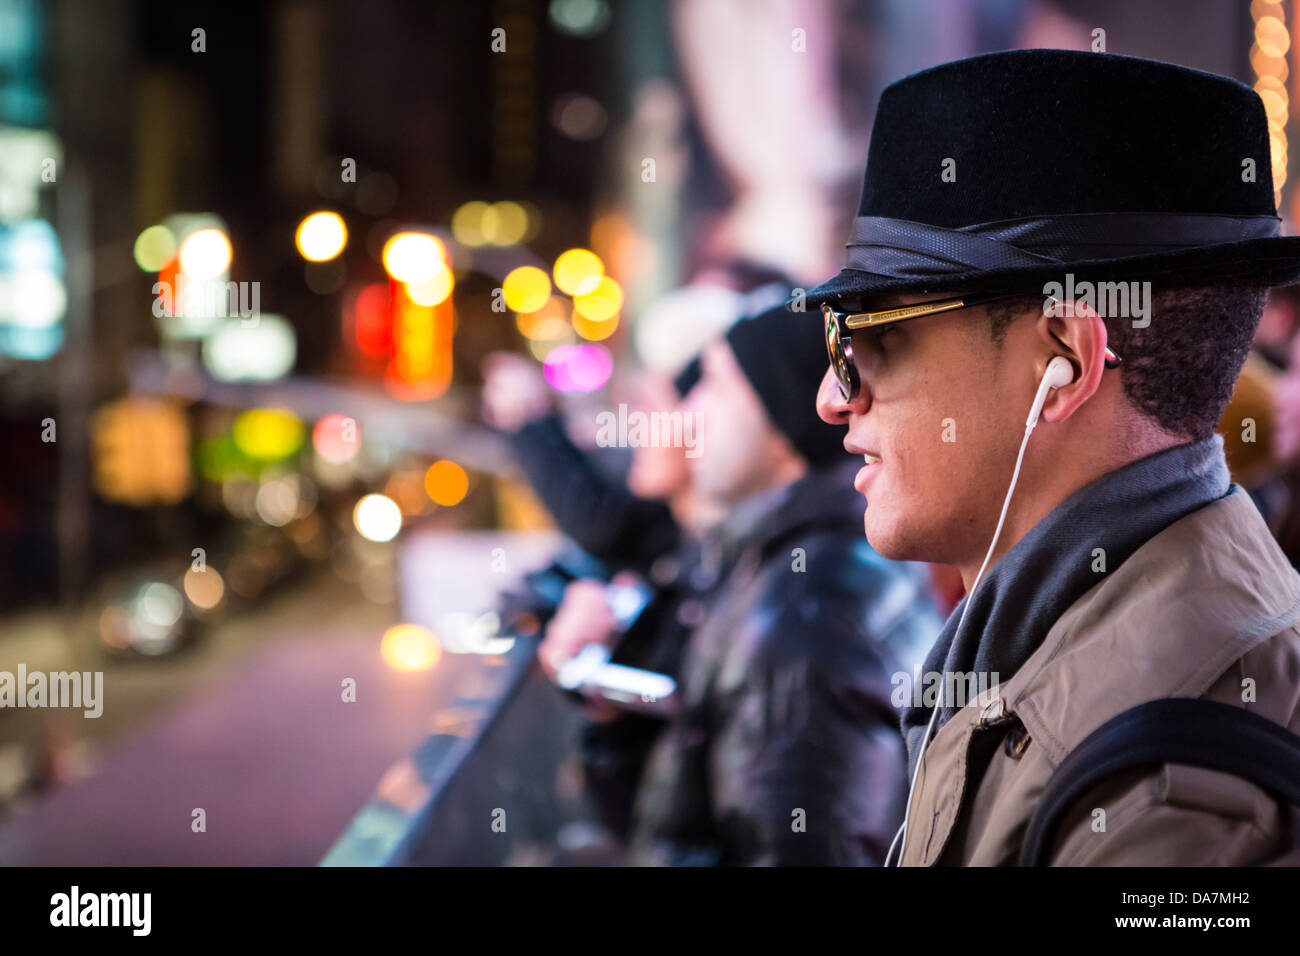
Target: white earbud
1059	372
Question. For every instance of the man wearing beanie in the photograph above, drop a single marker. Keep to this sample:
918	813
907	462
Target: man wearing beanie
784	749
626	524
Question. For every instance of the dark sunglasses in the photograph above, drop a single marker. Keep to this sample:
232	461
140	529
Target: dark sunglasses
840	327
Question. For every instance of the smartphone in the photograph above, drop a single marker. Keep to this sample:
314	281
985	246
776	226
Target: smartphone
589	672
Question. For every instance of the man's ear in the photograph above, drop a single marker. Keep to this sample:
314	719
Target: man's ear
1079	334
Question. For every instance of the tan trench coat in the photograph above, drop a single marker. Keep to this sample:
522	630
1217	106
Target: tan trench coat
1208	608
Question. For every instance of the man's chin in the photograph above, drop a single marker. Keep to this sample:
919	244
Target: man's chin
888	540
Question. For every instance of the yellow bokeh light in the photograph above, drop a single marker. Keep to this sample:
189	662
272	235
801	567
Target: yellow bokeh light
1271	83
602	302
413	257
409	647
268	434
432	291
594	331
205	589
509	224
1272	36
154	248
1271	66
321	236
576	269
526	289
446	482
467	223
205	254
1275	107
1277	144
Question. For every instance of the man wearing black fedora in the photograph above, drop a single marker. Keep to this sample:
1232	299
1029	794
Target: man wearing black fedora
1053	279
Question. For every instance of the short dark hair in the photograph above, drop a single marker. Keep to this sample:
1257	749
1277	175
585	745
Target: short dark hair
1180	369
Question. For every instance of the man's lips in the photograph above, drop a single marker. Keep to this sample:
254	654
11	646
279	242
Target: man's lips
864	476
870	457
872	464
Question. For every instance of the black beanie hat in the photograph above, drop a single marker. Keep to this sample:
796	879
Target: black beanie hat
784	360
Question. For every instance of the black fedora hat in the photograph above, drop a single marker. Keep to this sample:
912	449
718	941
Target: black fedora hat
1002	171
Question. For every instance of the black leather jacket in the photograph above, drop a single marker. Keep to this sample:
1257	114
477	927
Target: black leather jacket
787	749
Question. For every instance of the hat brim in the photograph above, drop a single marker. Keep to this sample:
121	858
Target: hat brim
1272	261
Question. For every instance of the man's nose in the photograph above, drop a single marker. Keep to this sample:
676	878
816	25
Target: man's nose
831	405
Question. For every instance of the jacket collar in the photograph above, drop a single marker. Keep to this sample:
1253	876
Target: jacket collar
1167	623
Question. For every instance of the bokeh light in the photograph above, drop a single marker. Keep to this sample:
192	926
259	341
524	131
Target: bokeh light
601	301
413	257
154	623
160	604
336	438
377	517
236	352
154	248
409	647
1268	59
509	222
581	18
1272	36
505	223
321	236
578	271
467	223
578	368
578	116
446	482
526	289
205	588
432	291
33	299
594	331
268	434
205	254
372	315
277	502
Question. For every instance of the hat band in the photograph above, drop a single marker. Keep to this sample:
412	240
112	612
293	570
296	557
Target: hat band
916	250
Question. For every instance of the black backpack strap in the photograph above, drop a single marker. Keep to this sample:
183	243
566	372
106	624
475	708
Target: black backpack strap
1182	730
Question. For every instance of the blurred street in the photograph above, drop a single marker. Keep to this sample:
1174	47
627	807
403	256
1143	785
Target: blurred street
247	725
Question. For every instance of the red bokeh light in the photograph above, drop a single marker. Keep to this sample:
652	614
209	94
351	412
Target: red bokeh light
372	320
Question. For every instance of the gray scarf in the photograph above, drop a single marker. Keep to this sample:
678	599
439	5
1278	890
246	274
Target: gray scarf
1051	567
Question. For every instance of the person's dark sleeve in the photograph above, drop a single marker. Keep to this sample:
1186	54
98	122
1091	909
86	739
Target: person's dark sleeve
812	768
597	512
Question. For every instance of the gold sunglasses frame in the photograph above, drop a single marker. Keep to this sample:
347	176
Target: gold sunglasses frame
853	321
